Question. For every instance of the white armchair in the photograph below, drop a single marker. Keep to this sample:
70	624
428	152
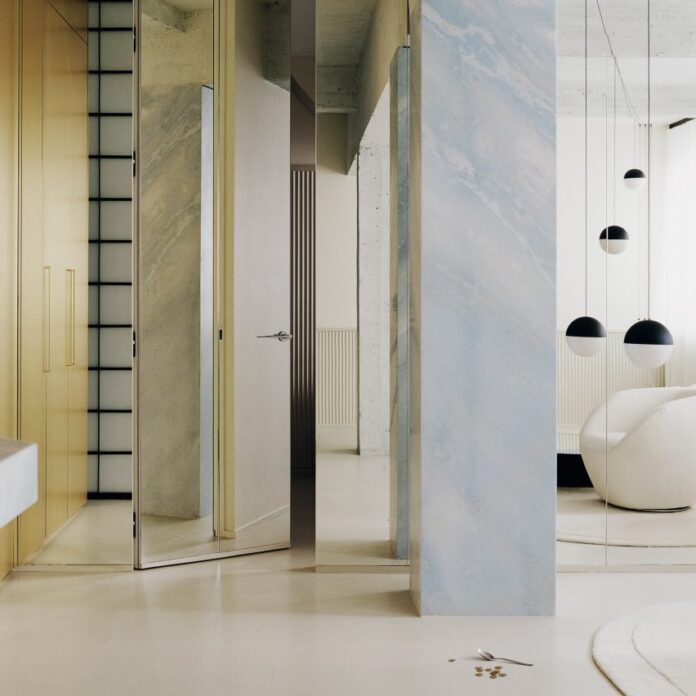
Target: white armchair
647	438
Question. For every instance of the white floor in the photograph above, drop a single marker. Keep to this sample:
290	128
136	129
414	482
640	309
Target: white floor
635	538
100	533
352	499
268	624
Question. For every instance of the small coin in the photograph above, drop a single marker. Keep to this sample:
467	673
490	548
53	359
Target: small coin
479	669
451	660
478	674
488	669
502	674
494	676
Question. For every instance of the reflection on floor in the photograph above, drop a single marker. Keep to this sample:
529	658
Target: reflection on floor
101	533
634	537
352	504
167	538
265	624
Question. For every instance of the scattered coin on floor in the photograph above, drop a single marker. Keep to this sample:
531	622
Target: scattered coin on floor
478	674
451	660
502	674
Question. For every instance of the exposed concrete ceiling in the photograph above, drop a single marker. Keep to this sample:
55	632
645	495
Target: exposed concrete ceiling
673	47
342	29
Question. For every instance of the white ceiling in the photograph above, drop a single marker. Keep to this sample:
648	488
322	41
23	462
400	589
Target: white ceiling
673	46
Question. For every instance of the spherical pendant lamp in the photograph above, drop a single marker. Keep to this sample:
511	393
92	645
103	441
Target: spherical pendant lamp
586	336
614	239
648	344
634	179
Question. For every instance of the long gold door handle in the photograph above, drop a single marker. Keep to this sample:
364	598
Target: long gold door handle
46	329
70	317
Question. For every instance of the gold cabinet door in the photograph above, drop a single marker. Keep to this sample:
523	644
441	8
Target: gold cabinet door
33	319
65	209
75	13
8	245
77	265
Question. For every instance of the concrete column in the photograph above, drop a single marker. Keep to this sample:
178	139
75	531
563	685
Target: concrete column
399	425
373	284
483	307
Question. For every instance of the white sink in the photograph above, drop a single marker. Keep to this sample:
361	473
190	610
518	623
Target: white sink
19	480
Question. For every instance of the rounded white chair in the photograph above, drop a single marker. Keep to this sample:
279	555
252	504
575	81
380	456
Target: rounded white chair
646	440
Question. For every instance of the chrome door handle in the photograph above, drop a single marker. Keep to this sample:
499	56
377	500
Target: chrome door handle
281	336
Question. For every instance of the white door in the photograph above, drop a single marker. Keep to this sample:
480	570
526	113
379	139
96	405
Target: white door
257	506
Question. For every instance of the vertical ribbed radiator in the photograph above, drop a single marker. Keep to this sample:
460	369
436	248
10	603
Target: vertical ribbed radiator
337	377
302	319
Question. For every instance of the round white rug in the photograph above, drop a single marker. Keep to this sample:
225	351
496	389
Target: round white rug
581	519
651	652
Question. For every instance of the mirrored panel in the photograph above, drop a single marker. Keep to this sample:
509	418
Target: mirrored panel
626	162
214	355
362	486
176	293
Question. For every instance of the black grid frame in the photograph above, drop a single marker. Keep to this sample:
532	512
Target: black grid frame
110	449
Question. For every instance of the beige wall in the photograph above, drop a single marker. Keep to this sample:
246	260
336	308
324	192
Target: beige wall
261	223
337	227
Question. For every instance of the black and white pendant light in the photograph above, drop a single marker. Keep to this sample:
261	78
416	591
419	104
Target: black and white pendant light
634	179
586	336
648	344
613	239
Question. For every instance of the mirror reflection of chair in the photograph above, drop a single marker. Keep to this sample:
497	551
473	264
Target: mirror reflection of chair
638	448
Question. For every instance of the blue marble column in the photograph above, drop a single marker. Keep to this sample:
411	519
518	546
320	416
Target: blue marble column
483	307
399	273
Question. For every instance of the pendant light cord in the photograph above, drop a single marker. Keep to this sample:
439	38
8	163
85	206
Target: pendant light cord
649	163
607	48
586	168
627	97
613	166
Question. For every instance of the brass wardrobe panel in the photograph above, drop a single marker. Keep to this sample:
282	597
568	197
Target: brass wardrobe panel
77	273
75	13
65	241
32	423
8	244
77	277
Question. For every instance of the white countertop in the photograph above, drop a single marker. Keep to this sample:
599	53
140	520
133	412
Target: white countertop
19	484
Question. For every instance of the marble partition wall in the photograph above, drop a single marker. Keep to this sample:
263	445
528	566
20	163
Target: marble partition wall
399	318
170	263
483	307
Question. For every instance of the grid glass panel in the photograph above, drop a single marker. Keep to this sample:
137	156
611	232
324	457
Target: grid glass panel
110	312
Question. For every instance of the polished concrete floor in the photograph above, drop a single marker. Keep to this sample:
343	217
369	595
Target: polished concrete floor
101	533
268	624
352	494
